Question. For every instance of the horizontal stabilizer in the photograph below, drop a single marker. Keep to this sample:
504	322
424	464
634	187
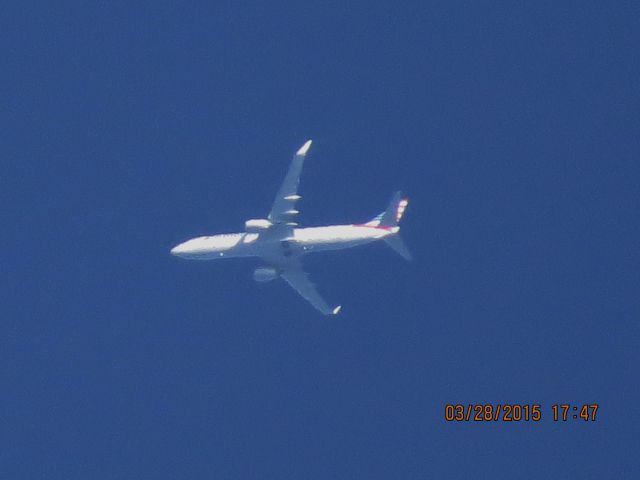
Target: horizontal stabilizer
396	243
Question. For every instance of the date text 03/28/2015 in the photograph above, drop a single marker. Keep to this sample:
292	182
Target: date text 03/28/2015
519	412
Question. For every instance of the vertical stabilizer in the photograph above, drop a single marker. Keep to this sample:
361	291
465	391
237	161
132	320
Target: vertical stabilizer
390	219
392	215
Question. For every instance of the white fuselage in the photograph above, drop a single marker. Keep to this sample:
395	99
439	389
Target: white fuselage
274	248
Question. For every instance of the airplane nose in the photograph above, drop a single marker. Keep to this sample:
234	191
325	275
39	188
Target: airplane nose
176	250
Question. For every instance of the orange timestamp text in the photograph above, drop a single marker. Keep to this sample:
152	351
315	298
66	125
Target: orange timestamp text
517	412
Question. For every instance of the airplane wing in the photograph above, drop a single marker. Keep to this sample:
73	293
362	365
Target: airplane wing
299	280
283	211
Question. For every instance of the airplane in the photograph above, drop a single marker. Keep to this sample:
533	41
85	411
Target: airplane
280	243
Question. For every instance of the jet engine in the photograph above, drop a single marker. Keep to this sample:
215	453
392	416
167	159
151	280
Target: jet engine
265	274
257	225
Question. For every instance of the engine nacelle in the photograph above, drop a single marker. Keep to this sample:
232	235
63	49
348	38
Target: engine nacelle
257	225
265	274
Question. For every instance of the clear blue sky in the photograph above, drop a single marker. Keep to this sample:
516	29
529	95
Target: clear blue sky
513	127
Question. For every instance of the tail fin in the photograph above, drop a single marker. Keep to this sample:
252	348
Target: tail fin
392	215
390	218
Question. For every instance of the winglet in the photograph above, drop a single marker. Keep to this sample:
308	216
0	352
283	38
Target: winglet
304	148
336	310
